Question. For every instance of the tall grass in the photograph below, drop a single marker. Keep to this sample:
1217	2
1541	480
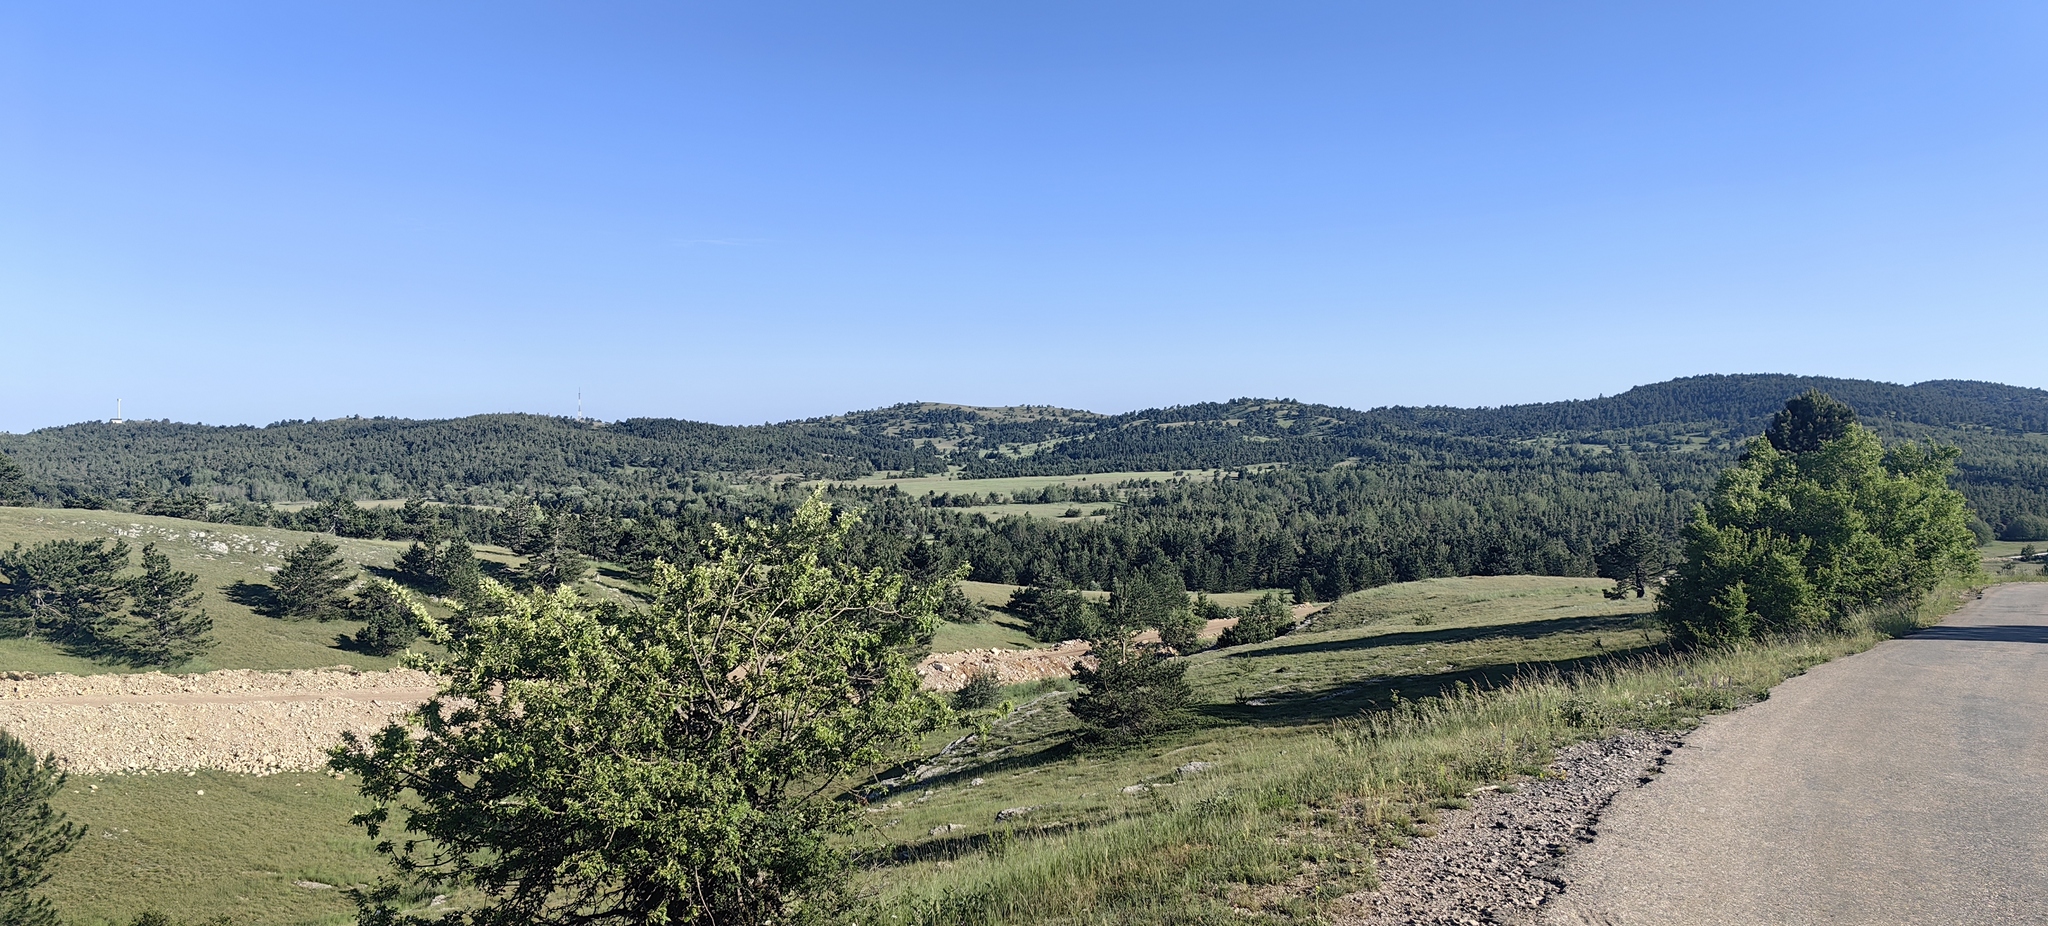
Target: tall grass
1294	818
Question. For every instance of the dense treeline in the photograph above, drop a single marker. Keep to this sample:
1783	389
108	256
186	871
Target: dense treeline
486	459
1328	533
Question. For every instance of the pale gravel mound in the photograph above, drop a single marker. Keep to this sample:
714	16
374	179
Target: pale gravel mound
1500	861
950	671
234	720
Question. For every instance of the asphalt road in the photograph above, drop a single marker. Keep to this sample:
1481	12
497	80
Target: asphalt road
1904	785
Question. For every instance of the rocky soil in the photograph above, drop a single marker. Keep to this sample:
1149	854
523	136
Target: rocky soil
1501	860
949	671
232	720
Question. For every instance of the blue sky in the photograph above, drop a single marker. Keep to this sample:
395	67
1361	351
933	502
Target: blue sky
743	212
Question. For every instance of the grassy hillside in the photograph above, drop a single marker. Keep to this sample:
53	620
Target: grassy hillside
221	555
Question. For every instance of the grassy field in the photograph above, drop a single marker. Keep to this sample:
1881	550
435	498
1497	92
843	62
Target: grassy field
1302	785
944	484
155	842
221	555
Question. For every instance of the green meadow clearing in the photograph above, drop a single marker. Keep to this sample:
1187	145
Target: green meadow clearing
222	555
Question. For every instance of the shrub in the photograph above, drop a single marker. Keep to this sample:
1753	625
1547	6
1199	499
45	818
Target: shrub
982	691
1262	620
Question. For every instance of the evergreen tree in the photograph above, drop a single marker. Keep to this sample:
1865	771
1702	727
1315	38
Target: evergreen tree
1133	691
62	590
1054	614
13	482
31	833
1268	616
391	618
1634	561
552	560
310	582
1793	540
165	625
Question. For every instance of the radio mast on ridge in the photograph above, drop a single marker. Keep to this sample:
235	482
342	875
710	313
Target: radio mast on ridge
117	413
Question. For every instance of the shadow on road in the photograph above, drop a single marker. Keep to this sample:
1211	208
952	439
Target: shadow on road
1995	633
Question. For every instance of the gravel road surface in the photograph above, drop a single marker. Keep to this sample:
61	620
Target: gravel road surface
1905	785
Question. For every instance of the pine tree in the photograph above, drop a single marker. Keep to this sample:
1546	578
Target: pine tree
31	833
391	618
310	582
62	590
165	625
13	482
552	560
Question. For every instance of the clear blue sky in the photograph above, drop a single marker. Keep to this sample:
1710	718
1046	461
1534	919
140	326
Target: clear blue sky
748	211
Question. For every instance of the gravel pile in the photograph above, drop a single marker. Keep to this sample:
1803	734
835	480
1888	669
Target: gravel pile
232	720
1500	860
949	671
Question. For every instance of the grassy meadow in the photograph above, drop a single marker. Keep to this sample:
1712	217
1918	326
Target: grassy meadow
154	842
222	555
1318	749
1301	786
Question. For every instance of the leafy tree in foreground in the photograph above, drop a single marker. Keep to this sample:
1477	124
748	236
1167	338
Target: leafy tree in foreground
678	763
309	583
1634	561
31	834
1798	539
165	625
62	590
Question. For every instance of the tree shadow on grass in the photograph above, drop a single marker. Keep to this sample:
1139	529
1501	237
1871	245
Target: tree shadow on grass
261	599
1349	699
1528	630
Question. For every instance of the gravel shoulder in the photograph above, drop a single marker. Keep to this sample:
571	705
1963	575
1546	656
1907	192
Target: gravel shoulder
1500	860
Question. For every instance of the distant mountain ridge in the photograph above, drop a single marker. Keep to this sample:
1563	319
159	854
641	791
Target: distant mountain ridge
491	458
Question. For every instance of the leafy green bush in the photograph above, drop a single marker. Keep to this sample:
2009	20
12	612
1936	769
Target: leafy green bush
1819	520
982	691
1265	618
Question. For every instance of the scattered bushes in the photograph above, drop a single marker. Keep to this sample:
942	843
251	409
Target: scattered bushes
982	691
1265	618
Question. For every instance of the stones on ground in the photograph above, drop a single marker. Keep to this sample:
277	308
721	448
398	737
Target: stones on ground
945	828
1137	789
1194	768
234	720
978	782
1500	860
1011	813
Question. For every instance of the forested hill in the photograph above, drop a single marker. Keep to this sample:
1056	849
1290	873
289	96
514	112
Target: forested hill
490	458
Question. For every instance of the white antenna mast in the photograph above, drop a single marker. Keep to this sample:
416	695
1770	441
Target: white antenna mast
117	411
579	404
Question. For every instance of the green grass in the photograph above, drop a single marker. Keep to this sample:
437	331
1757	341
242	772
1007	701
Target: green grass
1346	752
1051	511
155	843
221	555
1292	811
